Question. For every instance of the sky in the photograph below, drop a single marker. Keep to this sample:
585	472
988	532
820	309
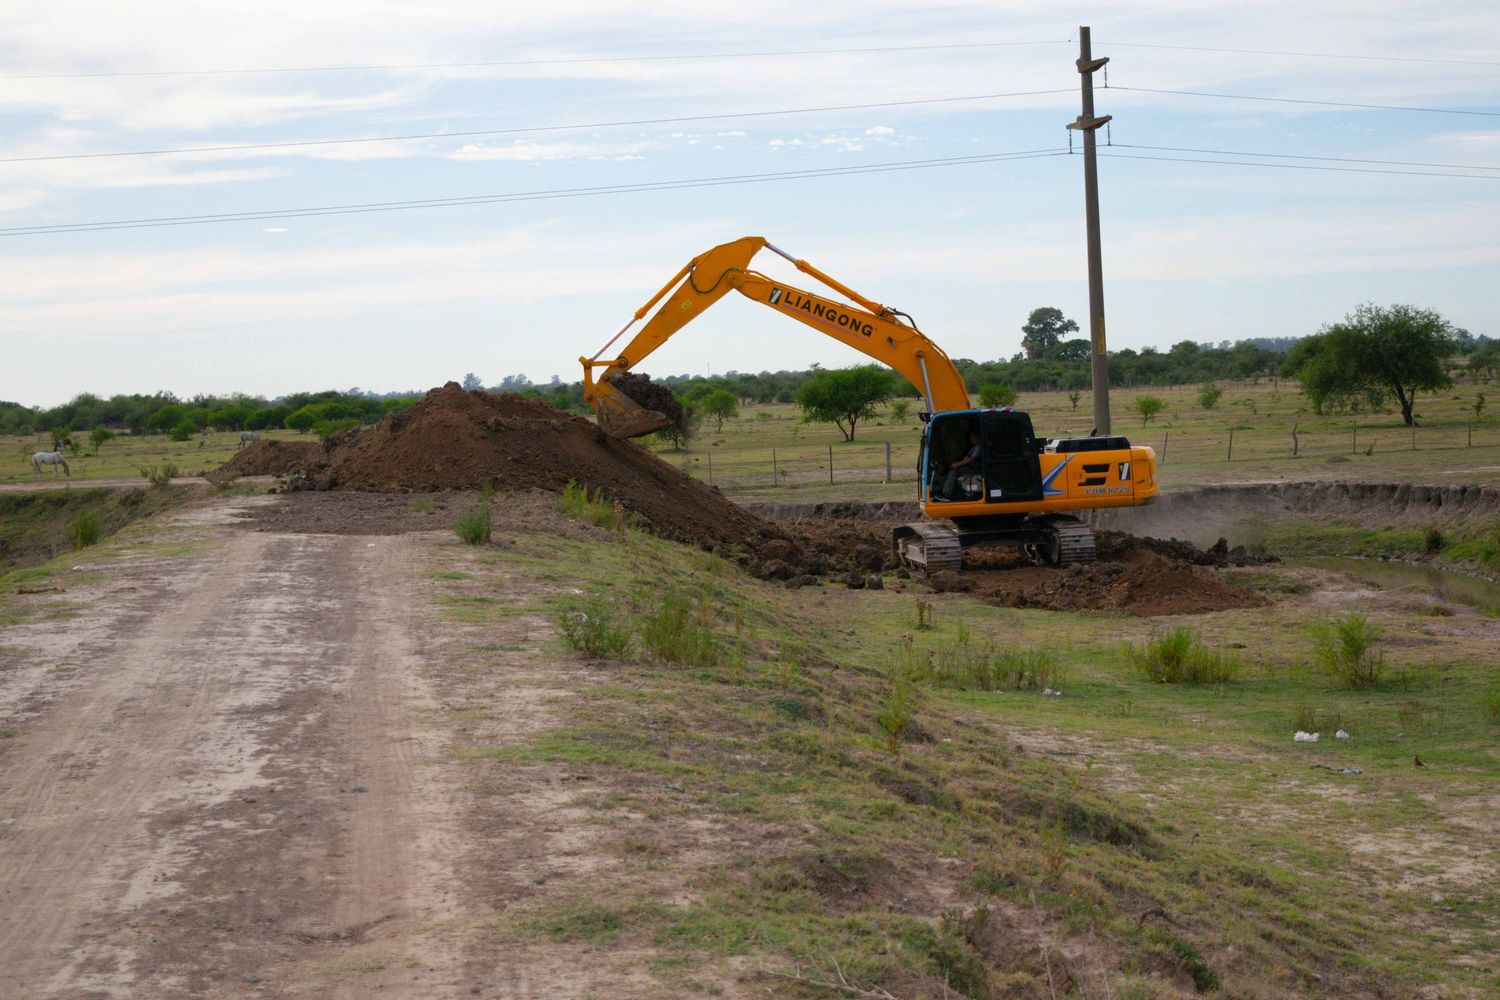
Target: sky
407	299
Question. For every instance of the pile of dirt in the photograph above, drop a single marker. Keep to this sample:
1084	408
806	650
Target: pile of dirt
269	458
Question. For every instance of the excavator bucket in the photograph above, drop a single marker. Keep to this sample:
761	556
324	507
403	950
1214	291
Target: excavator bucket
626	410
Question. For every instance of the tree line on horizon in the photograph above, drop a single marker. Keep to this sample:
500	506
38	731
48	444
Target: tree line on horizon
1374	354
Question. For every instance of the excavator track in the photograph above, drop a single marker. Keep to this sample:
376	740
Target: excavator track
929	546
1075	541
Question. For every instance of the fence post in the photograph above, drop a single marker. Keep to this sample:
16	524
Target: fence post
1295	443
1230	457
710	466
1354	440
1413	435
888	476
1164	439
1471	434
775	476
830	465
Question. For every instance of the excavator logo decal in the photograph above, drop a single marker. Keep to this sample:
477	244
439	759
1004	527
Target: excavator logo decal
1047	488
831	315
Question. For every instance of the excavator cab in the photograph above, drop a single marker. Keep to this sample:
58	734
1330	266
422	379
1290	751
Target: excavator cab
1008	470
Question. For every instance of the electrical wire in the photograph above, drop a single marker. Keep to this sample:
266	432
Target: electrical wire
582	60
290	144
1299	100
1299	156
1298	166
1302	55
544	195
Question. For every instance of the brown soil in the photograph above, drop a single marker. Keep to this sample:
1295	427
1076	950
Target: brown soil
268	458
454	439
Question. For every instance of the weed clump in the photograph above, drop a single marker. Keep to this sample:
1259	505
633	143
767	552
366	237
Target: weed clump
84	530
591	627
475	527
577	503
1346	648
677	631
1433	540
159	476
1179	657
966	667
1492	704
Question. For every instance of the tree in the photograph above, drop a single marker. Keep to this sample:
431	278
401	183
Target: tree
1044	330
1208	396
1485	363
473	383
184	429
997	394
302	420
900	410
845	396
721	404
1375	353
1148	407
1073	398
98	436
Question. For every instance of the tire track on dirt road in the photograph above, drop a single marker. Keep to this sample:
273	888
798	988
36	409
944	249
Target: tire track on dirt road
232	792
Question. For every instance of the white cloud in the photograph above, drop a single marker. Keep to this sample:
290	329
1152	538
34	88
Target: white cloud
879	130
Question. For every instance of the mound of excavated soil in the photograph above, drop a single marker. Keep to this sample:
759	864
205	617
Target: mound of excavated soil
269	458
639	387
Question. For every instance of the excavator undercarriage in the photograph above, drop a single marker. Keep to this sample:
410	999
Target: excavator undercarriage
1047	539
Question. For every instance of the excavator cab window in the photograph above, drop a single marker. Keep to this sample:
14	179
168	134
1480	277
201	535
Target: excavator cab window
950	440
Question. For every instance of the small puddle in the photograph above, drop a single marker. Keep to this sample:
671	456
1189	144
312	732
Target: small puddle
1458	588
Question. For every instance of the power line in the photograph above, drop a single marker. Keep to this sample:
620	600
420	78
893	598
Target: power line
1299	100
521	130
1299	166
1299	156
1304	55
581	60
544	195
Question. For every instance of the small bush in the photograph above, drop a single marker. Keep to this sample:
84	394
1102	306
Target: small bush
1179	657
898	706
1208	396
84	530
1306	718
474	527
184	429
1492	704
577	503
159	476
327	428
1148	407
1433	540
590	627
1346	648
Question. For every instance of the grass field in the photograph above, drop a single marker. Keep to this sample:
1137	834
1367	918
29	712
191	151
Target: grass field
126	455
1128	829
1192	444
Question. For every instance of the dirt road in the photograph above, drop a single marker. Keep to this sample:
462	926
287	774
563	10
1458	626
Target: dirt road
220	780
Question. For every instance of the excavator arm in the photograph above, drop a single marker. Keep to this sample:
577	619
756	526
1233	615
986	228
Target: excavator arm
867	326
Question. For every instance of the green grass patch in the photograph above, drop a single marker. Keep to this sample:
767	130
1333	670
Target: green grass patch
38	526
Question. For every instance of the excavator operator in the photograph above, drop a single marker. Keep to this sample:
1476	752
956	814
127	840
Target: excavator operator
971	457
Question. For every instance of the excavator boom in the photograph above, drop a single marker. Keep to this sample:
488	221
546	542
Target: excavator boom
865	325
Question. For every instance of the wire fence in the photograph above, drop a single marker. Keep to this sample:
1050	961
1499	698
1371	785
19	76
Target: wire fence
797	466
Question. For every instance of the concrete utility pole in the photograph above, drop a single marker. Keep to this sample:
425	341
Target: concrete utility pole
1088	124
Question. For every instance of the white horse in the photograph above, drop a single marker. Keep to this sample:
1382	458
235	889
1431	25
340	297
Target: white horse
248	437
52	458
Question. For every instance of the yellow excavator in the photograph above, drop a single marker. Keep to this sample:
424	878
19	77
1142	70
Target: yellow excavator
984	477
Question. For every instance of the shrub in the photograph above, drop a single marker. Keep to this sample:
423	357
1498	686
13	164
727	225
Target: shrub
1148	407
474	526
898	705
184	429
1179	657
327	428
1492	704
589	626
900	410
1346	648
1209	395
1433	540
159	476
98	436
84	530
